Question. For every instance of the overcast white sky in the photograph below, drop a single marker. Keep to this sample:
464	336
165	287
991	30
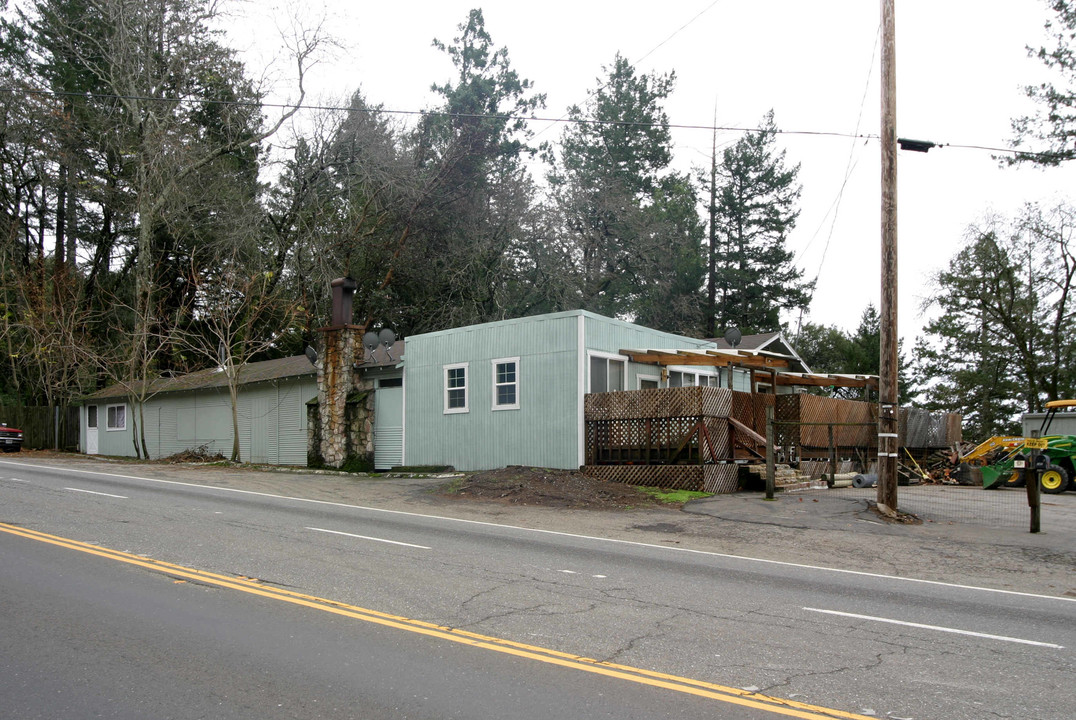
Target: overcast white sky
960	68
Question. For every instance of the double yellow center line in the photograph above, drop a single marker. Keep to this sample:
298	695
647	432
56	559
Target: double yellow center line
688	686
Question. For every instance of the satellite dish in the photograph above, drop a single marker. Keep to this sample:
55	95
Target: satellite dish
311	355
370	341
733	337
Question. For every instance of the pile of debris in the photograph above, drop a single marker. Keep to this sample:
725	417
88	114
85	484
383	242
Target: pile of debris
786	478
937	468
198	454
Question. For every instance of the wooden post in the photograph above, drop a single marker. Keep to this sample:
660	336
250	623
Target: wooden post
649	438
1034	488
832	459
771	468
887	375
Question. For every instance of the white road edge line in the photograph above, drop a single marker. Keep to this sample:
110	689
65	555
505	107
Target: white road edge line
18	480
1004	638
366	537
742	558
92	492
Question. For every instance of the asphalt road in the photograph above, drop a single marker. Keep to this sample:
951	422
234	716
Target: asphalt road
441	617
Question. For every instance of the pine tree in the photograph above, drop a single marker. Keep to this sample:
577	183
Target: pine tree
754	278
472	149
1055	123
630	221
1003	336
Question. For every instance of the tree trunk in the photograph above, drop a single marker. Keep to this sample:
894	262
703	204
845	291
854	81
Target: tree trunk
142	429
233	390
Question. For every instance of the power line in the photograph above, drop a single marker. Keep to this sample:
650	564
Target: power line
511	117
849	167
425	113
677	32
634	63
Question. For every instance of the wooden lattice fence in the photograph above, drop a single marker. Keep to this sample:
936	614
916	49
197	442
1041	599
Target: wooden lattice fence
694	437
671	437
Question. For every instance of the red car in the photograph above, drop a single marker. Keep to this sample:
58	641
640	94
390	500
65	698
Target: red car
10	438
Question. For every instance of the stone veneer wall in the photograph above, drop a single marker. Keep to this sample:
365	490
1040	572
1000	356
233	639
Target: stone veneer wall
313	434
341	424
335	381
360	419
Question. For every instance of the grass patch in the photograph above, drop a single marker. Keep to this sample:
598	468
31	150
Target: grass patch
452	487
664	495
359	465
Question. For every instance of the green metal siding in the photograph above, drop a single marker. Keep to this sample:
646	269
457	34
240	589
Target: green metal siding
606	335
181	421
542	432
388	427
109	442
546	429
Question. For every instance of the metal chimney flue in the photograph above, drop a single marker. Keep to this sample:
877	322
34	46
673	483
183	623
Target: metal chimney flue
343	292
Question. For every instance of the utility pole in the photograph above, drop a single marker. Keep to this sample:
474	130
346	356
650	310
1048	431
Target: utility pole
887	371
711	272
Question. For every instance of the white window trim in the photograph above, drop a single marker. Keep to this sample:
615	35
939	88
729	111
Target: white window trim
493	368
693	370
608	356
652	378
466	387
108	427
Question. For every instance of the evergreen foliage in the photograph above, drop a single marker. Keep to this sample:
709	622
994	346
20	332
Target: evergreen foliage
138	235
1002	337
829	349
755	210
629	221
1055	123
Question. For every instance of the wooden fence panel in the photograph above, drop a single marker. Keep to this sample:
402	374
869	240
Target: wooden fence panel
39	425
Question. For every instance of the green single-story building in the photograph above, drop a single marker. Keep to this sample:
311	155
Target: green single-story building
478	397
195	410
511	392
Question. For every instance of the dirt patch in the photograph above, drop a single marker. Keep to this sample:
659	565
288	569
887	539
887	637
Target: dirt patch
897	516
517	485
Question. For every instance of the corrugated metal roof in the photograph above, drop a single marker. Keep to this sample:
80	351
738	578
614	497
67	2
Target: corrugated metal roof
254	372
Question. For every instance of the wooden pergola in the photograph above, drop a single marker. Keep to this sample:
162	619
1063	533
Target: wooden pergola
774	365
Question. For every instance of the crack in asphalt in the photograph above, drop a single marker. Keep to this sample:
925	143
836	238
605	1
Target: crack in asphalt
879	659
657	631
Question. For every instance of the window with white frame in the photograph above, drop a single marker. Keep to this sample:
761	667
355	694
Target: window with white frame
648	382
506	383
116	417
456	388
681	378
606	373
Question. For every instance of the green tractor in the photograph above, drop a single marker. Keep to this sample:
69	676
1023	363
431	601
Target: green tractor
1058	471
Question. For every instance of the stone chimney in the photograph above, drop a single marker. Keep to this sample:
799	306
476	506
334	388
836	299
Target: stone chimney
336	375
343	291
